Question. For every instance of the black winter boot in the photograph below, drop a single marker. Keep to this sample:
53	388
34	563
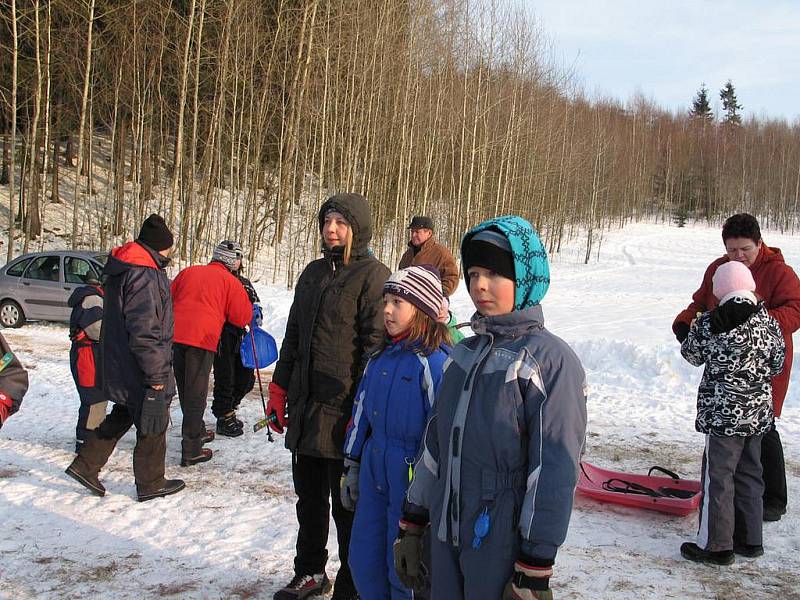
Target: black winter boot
230	426
695	553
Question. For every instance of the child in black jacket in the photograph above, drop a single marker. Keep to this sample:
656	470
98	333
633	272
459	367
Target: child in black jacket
742	349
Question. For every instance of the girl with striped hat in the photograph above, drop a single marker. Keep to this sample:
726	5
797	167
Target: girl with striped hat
390	411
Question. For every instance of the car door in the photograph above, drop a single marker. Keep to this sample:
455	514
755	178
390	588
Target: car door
42	289
77	271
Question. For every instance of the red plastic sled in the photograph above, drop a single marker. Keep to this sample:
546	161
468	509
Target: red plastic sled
671	495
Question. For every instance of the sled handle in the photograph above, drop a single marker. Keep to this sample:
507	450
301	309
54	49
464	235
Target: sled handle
666	472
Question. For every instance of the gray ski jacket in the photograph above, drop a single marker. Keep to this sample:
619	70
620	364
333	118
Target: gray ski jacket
505	436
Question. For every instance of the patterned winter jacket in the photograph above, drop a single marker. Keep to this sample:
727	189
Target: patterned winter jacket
735	392
779	286
510	416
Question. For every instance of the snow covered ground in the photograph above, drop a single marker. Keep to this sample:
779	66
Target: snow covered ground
231	533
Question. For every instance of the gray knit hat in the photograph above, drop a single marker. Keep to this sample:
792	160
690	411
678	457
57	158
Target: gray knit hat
227	252
420	285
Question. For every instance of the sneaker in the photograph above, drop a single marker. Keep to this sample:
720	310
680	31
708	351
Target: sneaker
204	456
87	480
230	426
171	486
304	586
748	550
695	553
208	437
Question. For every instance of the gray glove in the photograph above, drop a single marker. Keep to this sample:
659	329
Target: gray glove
407	551
154	417
348	486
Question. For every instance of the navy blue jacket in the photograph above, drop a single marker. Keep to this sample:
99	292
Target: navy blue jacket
136	337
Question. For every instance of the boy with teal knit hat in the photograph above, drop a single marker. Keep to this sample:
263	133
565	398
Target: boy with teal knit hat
496	473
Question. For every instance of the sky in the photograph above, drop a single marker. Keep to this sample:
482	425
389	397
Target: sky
665	50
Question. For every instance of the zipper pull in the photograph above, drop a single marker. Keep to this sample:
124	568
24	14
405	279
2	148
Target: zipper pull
410	463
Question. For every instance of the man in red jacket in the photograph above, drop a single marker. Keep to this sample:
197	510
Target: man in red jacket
778	286
204	298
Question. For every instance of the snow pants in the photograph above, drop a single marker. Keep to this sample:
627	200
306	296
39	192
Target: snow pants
316	483
469	573
731	511
92	409
774	468
382	484
192	370
232	380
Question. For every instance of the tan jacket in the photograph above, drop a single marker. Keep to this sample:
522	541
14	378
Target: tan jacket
433	253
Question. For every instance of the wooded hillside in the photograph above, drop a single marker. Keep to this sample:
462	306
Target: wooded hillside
235	118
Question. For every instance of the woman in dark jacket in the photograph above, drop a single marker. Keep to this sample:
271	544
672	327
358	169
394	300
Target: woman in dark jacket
334	324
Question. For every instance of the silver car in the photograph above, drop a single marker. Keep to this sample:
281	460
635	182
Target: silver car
36	286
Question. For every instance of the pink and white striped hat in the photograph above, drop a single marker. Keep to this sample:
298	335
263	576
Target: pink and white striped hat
420	285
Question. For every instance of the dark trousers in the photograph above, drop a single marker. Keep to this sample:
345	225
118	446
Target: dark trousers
316	483
232	380
731	511
148	454
192	368
774	468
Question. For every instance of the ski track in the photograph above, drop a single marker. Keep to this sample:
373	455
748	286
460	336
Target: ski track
231	534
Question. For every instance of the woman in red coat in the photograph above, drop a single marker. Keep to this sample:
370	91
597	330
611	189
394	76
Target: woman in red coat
779	287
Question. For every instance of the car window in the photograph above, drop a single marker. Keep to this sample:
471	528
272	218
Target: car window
18	267
101	258
46	268
77	270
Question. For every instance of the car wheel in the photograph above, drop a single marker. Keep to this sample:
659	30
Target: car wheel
11	314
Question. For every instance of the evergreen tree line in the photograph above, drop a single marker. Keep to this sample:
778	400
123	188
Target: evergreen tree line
235	118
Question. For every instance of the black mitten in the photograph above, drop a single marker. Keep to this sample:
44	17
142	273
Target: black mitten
154	417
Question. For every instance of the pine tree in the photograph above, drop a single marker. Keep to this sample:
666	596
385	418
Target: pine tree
701	108
730	105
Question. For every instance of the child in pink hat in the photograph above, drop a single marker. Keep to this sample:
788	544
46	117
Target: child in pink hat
742	348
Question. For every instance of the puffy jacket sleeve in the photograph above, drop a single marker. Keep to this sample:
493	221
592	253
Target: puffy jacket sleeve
699	303
13	379
778	347
555	408
448	271
370	312
239	309
430	378
90	319
426	465
785	301
695	347
141	310
358	429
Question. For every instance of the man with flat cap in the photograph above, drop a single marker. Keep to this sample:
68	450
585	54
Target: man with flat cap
423	249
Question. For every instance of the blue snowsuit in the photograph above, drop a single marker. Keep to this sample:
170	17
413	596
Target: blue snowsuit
390	410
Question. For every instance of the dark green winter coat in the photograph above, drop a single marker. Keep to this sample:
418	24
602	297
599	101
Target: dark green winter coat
335	323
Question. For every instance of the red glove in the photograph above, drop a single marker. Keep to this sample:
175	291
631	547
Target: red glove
5	406
277	405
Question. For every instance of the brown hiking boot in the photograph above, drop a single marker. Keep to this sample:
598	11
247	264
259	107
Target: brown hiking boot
204	456
86	479
171	486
